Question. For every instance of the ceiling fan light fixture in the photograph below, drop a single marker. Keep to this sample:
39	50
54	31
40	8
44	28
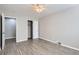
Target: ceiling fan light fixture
38	8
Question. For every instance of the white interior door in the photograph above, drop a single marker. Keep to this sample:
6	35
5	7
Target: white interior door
3	31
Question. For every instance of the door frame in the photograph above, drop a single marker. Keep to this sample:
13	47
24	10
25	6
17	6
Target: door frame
3	29
11	17
31	29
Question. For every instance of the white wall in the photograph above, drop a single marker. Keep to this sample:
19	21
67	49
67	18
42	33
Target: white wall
22	26
0	32
61	27
10	28
21	29
35	29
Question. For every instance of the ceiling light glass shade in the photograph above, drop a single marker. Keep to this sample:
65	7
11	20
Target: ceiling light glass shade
38	7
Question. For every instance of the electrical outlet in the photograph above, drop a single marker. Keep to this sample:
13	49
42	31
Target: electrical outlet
59	43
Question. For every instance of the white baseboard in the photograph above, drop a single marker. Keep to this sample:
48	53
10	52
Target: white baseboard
61	44
21	40
35	38
70	47
49	40
10	37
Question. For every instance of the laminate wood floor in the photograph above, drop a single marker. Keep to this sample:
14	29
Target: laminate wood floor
36	47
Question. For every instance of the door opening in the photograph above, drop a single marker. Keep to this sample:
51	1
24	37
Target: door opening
0	32
30	29
10	30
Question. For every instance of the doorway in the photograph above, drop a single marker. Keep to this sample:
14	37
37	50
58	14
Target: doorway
10	29
30	29
0	32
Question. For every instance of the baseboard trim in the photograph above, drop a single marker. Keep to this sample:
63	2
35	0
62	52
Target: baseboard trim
49	40
61	44
70	47
21	41
11	38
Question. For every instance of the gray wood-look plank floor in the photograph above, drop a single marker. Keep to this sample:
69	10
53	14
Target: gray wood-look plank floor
36	47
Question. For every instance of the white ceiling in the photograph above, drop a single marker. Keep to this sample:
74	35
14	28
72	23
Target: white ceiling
26	9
